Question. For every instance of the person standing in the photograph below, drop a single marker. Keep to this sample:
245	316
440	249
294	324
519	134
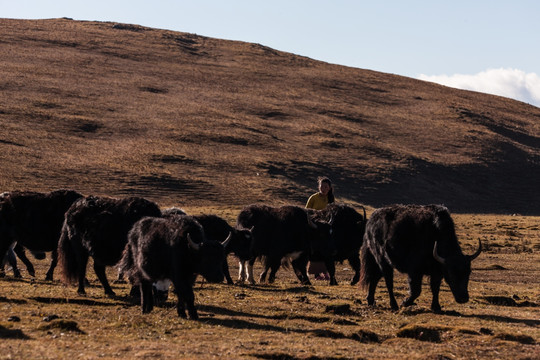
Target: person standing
323	197
319	201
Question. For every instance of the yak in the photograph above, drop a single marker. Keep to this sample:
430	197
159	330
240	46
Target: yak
347	227
218	229
280	233
33	220
98	227
171	248
416	240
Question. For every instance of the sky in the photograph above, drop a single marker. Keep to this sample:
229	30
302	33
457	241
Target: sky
487	46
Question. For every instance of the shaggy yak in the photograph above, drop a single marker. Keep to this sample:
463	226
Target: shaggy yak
171	248
347	227
281	233
218	229
98	227
33	220
415	240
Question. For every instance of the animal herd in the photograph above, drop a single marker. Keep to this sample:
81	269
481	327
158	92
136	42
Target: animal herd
154	247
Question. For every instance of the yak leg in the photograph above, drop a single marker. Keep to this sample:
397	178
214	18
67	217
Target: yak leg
147	298
184	292
267	263
331	268
242	271
226	272
81	271
250	276
415	288
19	250
435	283
262	276
5	248
54	261
120	277
274	267
388	273
354	261
100	272
300	269
12	260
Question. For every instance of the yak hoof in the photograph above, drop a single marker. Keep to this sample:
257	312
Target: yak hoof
407	303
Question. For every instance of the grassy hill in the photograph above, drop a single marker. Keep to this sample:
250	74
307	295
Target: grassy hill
182	119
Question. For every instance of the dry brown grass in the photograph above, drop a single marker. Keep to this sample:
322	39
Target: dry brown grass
289	321
116	109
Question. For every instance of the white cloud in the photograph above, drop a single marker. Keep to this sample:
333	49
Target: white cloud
511	83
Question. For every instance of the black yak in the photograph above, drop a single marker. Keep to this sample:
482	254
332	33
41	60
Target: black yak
33	220
239	243
218	229
279	233
171	248
347	234
98	227
416	240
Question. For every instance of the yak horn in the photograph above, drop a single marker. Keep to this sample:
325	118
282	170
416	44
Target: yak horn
227	240
311	223
475	255
193	245
436	256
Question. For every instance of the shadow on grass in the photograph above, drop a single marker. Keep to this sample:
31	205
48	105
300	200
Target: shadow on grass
497	318
12	334
90	302
13	301
322	333
295	289
228	312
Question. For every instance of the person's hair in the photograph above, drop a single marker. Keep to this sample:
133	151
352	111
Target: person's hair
324	179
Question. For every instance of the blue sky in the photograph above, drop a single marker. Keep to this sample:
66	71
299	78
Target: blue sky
489	46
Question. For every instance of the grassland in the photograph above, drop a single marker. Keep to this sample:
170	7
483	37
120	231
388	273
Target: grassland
288	321
213	125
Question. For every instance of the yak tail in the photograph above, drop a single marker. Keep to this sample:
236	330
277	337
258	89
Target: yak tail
286	262
263	259
67	258
369	269
126	264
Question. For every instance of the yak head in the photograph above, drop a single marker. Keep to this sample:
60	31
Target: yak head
321	239
212	256
240	243
456	271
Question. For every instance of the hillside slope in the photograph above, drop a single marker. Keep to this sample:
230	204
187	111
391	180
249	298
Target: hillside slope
117	109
